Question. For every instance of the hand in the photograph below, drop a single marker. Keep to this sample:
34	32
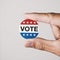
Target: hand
42	44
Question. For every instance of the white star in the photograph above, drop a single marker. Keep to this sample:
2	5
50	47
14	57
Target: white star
34	22
30	34
27	22
27	34
31	22
23	22
34	34
23	34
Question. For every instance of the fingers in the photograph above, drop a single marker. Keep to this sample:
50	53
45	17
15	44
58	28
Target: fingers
42	17
56	31
52	18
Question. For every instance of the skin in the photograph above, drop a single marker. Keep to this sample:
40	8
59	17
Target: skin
53	19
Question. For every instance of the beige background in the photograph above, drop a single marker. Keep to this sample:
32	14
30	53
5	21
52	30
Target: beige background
11	43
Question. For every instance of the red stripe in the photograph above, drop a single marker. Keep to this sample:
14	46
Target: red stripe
29	22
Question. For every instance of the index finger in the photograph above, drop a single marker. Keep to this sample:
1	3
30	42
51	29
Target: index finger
51	18
41	17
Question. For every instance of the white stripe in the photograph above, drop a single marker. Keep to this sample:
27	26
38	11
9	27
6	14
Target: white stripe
30	28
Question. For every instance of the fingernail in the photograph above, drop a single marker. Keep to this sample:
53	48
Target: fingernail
29	44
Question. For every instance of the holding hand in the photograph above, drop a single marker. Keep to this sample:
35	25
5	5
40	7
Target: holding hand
42	44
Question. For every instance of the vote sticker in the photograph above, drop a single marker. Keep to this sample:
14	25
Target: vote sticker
28	29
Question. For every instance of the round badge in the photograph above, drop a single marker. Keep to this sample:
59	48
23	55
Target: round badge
28	29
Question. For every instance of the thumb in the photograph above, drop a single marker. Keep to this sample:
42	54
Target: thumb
46	45
39	43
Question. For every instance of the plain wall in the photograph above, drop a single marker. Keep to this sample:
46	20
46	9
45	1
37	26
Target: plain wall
11	43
